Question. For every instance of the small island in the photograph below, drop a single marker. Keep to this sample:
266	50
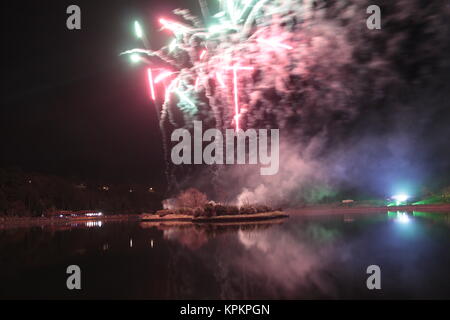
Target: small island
193	206
222	218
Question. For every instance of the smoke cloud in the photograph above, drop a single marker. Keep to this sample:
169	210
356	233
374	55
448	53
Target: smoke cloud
352	104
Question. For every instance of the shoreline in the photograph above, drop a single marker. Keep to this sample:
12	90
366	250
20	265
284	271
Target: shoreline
16	222
25	222
216	219
312	210
162	225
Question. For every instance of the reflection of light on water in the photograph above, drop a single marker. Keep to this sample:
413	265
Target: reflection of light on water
252	239
151	243
91	224
131	243
190	237
171	234
402	217
399	216
287	258
348	219
433	216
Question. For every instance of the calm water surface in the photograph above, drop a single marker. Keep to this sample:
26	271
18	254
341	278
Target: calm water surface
303	257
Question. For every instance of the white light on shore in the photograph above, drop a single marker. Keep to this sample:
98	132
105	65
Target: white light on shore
94	214
400	197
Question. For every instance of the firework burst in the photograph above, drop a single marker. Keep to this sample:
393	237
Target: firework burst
205	64
308	67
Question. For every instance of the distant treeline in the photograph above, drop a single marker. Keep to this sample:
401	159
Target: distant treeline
32	195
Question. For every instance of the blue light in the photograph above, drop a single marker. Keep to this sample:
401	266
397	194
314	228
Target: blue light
401	197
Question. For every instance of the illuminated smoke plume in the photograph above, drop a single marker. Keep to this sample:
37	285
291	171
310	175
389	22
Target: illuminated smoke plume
310	68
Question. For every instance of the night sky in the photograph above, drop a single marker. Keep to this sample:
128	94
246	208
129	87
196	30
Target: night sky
70	105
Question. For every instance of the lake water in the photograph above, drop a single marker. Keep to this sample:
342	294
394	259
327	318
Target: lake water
302	257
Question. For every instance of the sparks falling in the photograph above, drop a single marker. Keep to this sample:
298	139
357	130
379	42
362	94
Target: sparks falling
312	65
217	47
151	84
